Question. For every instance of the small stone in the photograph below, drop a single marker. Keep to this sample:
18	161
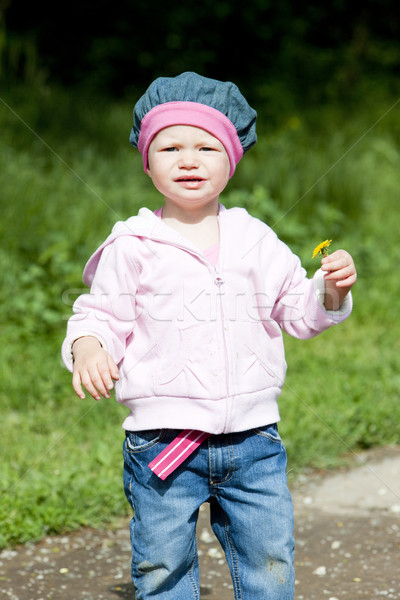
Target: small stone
206	537
395	508
321	571
8	554
64	570
64	540
335	545
214	553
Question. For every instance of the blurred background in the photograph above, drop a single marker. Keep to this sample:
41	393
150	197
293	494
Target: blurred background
324	79
318	51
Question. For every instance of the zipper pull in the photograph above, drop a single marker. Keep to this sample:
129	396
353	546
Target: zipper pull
218	281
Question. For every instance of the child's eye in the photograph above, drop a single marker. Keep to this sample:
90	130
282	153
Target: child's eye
206	149
169	149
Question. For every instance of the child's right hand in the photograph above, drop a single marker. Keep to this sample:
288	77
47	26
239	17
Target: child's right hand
93	368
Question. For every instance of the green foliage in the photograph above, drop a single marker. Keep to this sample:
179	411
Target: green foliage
68	173
315	50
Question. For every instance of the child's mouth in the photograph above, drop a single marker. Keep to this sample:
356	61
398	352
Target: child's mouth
185	179
190	183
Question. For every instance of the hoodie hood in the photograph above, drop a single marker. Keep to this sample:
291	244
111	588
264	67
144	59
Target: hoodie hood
141	225
144	225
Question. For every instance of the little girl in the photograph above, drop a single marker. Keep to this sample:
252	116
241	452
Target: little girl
185	311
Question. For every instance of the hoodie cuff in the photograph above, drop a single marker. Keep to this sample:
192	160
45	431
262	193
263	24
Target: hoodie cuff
345	307
69	342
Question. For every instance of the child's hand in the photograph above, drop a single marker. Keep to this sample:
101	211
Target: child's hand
340	276
93	368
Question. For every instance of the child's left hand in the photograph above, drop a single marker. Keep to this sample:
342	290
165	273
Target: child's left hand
340	276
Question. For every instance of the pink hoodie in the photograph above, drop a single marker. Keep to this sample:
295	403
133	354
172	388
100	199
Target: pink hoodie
198	346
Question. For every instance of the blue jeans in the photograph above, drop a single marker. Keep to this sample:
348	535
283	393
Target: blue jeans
243	477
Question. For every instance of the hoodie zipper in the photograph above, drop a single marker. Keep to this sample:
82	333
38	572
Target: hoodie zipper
218	281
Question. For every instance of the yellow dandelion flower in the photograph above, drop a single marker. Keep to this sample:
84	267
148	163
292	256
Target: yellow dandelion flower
322	249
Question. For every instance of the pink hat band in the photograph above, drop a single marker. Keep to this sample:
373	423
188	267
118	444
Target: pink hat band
197	115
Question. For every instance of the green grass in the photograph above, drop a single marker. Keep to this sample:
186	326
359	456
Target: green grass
68	173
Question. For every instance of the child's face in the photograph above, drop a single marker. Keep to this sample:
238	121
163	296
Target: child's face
189	166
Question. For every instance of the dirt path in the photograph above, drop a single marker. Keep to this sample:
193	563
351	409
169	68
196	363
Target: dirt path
347	535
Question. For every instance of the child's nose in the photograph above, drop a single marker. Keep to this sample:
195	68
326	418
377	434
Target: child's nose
188	160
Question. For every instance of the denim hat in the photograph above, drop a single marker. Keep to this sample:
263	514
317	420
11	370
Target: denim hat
191	99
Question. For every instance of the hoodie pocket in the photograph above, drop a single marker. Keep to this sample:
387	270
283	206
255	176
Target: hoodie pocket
259	357
191	365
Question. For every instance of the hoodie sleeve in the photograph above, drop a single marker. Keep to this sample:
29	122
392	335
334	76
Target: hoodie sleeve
299	308
108	310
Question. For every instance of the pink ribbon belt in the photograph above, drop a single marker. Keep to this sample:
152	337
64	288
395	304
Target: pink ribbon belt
177	451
